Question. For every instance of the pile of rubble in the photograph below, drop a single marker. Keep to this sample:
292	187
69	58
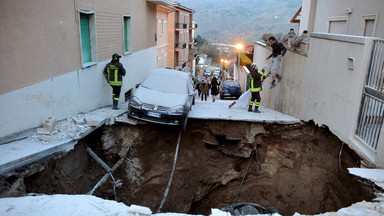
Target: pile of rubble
73	127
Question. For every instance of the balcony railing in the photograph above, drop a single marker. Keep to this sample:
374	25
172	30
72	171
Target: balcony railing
179	46
181	25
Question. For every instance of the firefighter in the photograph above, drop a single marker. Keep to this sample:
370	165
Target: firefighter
255	87
114	72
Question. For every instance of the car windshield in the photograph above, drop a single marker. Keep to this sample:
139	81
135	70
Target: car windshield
231	83
164	83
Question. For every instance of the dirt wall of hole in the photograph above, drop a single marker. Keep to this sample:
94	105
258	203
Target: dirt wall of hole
296	168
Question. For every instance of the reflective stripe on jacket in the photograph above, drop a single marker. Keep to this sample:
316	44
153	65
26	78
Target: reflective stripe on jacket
255	79
114	72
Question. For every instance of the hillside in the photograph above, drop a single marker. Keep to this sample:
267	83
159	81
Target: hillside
228	21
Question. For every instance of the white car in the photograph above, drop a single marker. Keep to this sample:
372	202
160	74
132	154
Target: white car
216	73
164	97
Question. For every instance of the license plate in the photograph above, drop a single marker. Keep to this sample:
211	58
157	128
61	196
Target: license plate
153	114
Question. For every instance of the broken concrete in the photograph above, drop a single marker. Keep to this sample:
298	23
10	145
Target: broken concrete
49	124
295	168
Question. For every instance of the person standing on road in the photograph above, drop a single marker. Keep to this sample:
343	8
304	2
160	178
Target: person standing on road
214	88
278	51
197	86
255	87
204	90
209	86
114	72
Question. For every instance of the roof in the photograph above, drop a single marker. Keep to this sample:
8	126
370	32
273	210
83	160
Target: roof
179	6
161	2
169	72
294	18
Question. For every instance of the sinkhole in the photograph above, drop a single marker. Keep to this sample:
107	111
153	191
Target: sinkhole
295	168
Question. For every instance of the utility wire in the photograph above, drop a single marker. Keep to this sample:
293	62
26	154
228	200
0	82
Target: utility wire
245	174
171	176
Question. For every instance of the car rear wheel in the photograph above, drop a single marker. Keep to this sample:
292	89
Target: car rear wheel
222	97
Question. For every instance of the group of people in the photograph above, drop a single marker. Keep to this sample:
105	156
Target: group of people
205	86
114	72
278	51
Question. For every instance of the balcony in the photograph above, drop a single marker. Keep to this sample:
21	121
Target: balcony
193	42
180	26
180	46
192	53
193	26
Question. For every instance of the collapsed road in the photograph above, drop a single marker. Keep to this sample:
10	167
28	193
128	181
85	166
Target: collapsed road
295	168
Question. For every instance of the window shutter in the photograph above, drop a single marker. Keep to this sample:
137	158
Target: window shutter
85	38
125	34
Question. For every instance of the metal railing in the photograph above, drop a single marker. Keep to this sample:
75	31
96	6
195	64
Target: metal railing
372	106
180	45
181	25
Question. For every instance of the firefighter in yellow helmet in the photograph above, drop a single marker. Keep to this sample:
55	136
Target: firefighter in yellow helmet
255	86
114	72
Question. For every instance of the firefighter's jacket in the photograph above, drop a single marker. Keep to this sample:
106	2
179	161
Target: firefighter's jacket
114	72
256	77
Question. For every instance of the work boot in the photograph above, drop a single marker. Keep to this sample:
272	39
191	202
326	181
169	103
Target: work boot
278	78
115	105
250	108
257	110
273	85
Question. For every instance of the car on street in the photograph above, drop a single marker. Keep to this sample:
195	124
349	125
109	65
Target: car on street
164	97
216	73
207	72
230	88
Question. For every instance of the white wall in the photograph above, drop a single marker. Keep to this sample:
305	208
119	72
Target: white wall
320	87
326	9
68	94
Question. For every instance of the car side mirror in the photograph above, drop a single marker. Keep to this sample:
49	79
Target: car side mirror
137	85
192	94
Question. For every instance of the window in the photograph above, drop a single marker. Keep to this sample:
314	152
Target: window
338	25
162	25
127	34
88	37
368	25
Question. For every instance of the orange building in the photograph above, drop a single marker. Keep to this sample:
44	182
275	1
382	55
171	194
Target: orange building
162	12
180	38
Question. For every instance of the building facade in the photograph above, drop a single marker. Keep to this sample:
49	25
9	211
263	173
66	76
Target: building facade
351	17
339	81
54	53
162	34
180	37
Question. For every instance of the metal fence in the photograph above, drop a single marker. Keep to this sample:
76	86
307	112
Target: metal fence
372	105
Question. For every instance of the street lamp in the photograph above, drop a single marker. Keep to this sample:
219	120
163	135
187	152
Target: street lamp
239	47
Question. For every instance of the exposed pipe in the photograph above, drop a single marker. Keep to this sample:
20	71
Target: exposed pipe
109	174
171	176
106	176
94	156
245	174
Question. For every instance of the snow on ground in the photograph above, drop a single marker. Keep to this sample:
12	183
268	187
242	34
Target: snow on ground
219	111
74	205
374	175
357	209
90	205
66	205
63	138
